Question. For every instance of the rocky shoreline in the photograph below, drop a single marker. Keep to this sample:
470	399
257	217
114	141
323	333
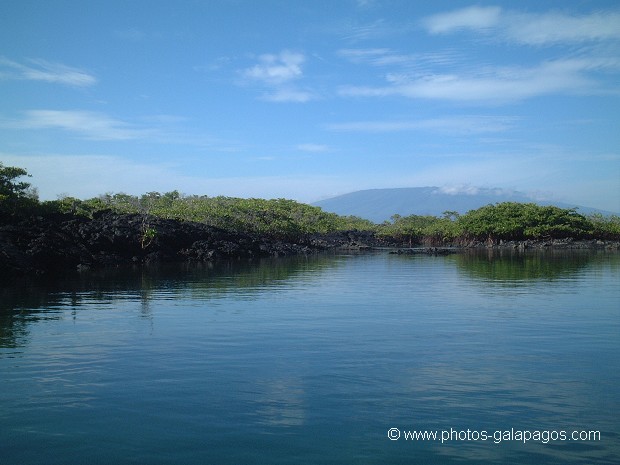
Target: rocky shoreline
41	245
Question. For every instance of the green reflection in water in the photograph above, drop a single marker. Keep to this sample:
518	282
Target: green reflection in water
38	298
513	266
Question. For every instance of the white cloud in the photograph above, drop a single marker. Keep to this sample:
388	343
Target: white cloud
90	125
528	28
419	64
496	84
160	129
41	70
276	69
473	17
375	56
465	125
458	189
313	148
288	95
447	74
468	189
553	28
277	73
354	32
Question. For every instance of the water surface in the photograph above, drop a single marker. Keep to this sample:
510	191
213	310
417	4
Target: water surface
313	360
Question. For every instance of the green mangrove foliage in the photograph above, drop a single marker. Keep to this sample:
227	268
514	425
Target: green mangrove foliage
282	218
15	196
605	227
502	221
415	229
511	220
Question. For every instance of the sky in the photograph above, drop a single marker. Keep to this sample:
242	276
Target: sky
311	99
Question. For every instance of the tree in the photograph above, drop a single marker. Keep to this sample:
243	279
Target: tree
15	196
605	227
517	221
451	215
8	187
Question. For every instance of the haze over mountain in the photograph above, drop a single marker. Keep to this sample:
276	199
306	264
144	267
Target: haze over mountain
379	205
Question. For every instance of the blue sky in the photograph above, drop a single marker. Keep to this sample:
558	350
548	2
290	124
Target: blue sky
310	99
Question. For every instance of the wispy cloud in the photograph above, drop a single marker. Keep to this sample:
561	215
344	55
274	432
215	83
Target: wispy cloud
465	125
374	56
90	125
473	17
554	28
356	32
313	147
288	95
277	72
448	75
420	63
42	70
528	28
96	126
497	84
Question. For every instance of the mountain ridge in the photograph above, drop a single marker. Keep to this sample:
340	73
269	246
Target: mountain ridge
379	205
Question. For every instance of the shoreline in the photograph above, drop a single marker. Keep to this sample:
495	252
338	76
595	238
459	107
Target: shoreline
64	242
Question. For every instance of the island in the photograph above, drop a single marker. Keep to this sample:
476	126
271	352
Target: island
38	237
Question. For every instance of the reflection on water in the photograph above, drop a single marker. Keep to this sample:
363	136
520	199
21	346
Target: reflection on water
21	301
280	402
511	266
207	279
312	360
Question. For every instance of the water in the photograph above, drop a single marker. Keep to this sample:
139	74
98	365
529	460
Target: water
313	360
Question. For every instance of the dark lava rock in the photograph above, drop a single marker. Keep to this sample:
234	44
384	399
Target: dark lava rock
68	242
63	241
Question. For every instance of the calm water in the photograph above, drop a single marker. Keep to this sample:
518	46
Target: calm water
313	360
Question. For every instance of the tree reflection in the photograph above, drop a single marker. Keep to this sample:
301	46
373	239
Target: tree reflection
513	266
29	300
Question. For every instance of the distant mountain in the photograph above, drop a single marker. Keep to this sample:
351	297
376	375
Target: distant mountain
379	205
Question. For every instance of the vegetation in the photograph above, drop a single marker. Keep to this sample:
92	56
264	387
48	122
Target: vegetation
15	196
503	221
605	227
511	220
415	229
281	218
290	220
